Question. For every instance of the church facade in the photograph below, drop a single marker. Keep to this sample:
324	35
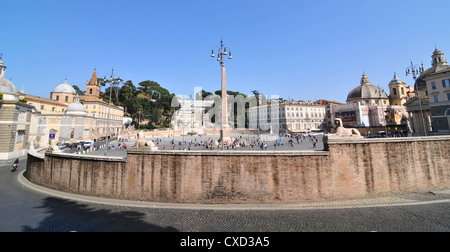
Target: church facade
67	117
16	117
437	82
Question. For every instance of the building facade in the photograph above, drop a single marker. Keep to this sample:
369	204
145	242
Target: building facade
15	120
66	117
437	82
371	110
288	117
109	117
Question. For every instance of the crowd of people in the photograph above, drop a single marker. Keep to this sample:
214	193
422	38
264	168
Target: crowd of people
241	142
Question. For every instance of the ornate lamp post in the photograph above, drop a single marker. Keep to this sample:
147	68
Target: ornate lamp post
416	70
221	54
113	82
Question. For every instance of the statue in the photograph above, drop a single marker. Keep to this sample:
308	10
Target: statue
54	148
45	136
409	127
141	143
345	132
31	146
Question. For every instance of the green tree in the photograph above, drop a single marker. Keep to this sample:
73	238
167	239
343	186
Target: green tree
78	90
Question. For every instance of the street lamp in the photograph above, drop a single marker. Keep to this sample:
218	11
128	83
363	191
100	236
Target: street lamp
416	71
113	82
221	54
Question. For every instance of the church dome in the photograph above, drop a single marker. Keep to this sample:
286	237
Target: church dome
76	108
64	88
7	87
366	91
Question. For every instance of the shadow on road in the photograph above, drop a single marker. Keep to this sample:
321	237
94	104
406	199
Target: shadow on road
70	216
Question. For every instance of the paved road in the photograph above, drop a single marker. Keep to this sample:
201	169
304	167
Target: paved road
25	209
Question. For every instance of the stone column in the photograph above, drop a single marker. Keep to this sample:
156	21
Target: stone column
224	132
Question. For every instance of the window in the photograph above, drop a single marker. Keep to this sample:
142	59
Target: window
448	96
67	98
20	135
90	91
446	83
435	98
433	85
395	91
57	97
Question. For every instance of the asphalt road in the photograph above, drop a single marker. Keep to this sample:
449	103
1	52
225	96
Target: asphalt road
25	209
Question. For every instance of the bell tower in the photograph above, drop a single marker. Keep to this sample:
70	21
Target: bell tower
397	89
93	87
438	58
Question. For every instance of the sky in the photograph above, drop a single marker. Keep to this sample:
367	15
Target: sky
296	49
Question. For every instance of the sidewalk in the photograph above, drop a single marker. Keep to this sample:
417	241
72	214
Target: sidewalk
435	197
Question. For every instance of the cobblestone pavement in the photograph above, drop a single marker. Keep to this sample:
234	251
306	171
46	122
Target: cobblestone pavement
26	209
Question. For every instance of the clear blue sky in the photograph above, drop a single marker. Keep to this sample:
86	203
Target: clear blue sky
295	49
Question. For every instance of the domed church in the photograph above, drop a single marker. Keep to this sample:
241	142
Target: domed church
64	93
16	117
368	94
370	109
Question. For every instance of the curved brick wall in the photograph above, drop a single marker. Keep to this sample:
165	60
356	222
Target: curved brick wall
348	169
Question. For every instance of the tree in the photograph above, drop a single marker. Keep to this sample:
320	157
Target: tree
127	91
78	90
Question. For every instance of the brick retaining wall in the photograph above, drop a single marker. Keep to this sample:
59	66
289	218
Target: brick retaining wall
348	169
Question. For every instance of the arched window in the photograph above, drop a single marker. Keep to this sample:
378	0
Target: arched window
57	97
395	91
67	98
403	91
90	91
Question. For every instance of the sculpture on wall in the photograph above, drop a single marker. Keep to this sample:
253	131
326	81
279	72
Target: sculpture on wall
345	132
45	137
141	143
54	148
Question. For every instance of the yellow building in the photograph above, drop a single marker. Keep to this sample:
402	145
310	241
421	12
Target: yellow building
68	117
108	115
399	92
46	106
